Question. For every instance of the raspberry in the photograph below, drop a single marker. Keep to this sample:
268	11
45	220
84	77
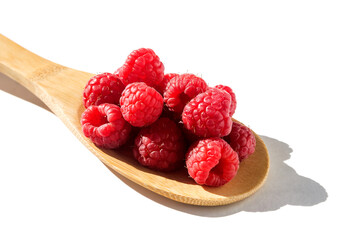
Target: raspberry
181	89
141	105
142	65
160	146
102	88
242	140
212	162
105	126
207	115
167	77
233	97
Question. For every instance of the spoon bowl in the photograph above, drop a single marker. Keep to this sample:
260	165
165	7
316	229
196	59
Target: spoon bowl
61	88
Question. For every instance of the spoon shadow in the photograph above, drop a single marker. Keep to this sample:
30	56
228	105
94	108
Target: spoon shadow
10	86
282	187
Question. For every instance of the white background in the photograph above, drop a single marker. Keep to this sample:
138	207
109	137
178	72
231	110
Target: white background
293	65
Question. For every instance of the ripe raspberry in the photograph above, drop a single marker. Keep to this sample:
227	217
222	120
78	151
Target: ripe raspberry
105	126
142	65
160	146
141	105
233	97
242	140
212	162
102	88
207	115
181	89
167	77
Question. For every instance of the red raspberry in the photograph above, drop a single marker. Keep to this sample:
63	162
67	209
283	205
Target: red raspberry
167	77
233	97
141	105
242	140
160	146
207	115
212	162
181	89
105	125
142	65
102	88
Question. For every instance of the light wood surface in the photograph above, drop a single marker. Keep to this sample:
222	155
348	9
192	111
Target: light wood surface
60	88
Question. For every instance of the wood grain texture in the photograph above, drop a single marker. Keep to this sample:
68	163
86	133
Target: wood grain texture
60	88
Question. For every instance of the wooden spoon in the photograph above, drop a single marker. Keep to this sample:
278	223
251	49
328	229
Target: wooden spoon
60	88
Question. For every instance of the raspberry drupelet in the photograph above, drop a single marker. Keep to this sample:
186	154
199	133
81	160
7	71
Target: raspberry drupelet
160	146
181	89
142	65
232	95
208	114
102	88
162	86
212	162
242	140
105	125
141	105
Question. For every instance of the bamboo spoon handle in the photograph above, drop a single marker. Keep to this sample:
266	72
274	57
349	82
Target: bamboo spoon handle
22	65
59	87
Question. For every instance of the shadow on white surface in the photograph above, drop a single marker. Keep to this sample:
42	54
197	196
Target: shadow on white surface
10	86
282	187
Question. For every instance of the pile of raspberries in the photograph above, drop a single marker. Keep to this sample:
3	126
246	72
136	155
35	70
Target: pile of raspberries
171	120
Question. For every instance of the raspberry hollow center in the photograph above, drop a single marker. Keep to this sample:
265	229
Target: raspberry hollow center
99	120
217	175
217	169
184	98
